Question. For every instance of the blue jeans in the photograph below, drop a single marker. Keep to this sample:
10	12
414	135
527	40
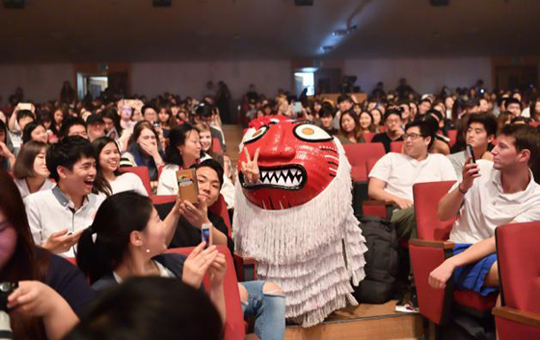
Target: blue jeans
268	310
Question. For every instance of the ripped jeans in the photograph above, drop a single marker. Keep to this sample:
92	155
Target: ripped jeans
267	308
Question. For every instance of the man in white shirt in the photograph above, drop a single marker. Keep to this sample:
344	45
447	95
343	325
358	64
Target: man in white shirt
489	195
57	216
393	176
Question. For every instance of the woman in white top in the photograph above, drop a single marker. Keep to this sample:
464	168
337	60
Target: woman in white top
109	180
30	169
183	151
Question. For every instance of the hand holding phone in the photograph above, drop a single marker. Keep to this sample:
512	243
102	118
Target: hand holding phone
470	153
206	231
188	188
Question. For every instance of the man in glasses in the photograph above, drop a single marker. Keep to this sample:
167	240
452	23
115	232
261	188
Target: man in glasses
393	131
394	175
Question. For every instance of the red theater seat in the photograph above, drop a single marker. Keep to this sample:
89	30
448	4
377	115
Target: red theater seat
430	250
452	134
358	154
518	258
143	174
396	147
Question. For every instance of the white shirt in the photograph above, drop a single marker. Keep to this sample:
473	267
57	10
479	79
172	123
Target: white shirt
486	206
168	185
128	182
51	210
401	172
25	191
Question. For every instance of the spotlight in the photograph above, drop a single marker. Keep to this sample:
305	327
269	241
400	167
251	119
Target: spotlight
327	48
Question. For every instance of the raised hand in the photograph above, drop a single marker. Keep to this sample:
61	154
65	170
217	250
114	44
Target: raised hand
197	263
250	168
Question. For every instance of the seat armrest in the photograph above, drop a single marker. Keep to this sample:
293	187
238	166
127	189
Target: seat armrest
519	316
432	243
243	263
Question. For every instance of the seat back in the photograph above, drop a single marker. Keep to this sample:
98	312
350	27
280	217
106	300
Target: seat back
216	145
396	147
426	203
162	199
234	327
358	154
143	174
220	208
518	256
452	134
368	136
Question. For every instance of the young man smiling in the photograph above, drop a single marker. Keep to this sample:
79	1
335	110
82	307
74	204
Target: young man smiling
58	216
489	195
481	131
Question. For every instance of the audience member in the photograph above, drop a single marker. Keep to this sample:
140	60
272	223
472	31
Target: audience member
344	103
481	131
109	180
489	195
366	122
96	126
30	170
393	131
326	118
73	126
34	131
7	158
262	299
57	216
393	176
128	239
50	289
149	113
144	149
377	115
205	114
514	107
349	128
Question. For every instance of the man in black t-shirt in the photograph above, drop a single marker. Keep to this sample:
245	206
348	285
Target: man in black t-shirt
393	132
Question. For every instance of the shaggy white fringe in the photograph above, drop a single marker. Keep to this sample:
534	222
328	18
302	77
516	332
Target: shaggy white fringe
312	251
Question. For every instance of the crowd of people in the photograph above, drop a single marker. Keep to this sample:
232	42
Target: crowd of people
66	196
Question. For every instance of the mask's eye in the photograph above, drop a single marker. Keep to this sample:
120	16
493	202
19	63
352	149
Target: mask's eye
256	135
311	133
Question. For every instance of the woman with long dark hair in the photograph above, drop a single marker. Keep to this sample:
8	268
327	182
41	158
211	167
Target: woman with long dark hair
49	289
109	180
128	239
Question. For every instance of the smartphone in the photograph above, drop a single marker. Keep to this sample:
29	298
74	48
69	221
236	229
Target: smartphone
470	153
157	125
25	106
188	188
205	234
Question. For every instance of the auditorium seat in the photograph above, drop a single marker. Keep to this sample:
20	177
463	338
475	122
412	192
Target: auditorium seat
235	327
216	145
430	250
396	147
518	257
143	174
368	136
358	154
452	134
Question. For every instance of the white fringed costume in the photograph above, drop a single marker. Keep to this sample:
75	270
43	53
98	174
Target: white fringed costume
312	251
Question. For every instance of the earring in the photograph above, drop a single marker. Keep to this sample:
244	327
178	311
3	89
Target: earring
147	250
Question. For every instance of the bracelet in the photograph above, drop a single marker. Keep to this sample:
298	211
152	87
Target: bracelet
463	192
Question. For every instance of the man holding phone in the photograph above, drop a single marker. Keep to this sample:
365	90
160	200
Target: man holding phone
489	195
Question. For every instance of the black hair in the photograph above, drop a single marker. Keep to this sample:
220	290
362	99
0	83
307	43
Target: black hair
390	112
28	129
214	165
344	97
436	113
487	120
526	138
66	153
327	110
102	247
204	110
177	137
112	114
427	128
147	308
68	123
512	100
24	114
101	184
146	107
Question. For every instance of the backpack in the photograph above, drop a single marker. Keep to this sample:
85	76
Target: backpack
381	260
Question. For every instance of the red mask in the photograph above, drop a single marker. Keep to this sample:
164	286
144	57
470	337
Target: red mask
297	161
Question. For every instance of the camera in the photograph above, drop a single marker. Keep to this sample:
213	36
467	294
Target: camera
6	288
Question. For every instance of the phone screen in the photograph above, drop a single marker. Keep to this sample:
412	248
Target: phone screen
205	236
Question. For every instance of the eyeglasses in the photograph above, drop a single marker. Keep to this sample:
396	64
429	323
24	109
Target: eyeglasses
413	136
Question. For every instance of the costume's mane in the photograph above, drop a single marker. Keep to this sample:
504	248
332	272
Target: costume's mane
311	250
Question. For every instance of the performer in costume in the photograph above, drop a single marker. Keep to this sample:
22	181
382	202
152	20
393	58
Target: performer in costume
294	216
